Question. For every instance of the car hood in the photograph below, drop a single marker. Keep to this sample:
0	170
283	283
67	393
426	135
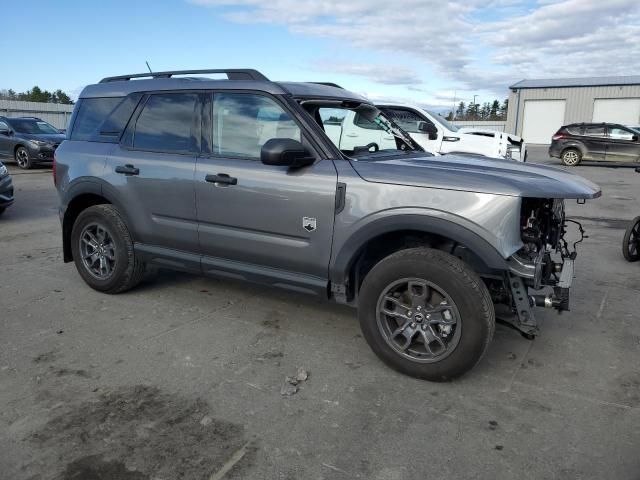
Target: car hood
482	175
44	137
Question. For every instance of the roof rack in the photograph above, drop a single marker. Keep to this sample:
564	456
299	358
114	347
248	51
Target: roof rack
328	84
232	74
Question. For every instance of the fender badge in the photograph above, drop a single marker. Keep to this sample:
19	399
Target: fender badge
309	224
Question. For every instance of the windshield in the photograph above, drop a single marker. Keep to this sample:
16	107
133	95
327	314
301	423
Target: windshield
32	126
359	129
446	124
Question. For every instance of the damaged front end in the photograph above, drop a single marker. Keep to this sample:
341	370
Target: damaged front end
541	272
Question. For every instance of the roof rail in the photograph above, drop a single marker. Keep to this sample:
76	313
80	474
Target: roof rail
232	74
328	84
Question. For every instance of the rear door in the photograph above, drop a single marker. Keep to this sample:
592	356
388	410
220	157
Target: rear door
595	141
265	223
6	144
622	145
152	172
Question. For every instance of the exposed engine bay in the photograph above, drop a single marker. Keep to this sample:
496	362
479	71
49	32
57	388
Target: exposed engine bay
544	263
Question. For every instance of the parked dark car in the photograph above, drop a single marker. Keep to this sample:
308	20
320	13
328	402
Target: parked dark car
602	142
28	140
6	189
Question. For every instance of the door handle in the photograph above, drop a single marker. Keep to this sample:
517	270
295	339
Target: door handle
127	169
352	135
221	178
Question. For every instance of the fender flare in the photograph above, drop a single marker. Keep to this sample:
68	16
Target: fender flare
82	187
348	253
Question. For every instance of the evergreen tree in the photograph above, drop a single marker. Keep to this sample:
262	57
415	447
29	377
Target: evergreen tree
460	111
495	109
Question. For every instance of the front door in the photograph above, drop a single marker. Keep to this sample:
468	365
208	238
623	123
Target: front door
409	120
152	172
622	145
595	140
258	222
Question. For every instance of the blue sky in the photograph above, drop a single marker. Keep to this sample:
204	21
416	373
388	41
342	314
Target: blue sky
422	51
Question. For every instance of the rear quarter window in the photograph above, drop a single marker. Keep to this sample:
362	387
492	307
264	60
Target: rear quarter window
575	130
103	119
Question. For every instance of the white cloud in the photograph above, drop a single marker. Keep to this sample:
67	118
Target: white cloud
460	41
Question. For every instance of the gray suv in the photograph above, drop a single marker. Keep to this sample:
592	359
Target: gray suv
237	178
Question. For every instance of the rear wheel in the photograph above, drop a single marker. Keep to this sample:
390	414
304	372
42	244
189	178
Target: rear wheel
103	250
22	158
571	157
631	241
426	314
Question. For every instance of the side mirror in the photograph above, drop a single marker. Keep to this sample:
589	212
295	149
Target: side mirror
428	128
285	152
5	132
634	138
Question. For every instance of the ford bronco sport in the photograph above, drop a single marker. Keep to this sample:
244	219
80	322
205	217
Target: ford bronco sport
236	178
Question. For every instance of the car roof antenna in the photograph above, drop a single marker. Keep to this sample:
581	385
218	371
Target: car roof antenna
150	71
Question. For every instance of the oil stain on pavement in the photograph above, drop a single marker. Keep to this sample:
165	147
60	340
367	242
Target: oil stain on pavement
137	433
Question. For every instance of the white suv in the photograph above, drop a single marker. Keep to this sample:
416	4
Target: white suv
430	130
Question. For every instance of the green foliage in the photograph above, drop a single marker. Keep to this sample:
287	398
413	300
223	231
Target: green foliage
487	111
36	94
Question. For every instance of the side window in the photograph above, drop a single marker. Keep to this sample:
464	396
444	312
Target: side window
620	134
406	119
575	130
594	131
116	122
91	113
364	122
165	123
243	122
4	126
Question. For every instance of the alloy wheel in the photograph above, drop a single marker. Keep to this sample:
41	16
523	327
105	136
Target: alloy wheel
98	251
22	157
418	320
571	157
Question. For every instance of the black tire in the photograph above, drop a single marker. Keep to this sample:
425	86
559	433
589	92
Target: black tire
571	157
631	241
22	158
469	295
127	271
2	210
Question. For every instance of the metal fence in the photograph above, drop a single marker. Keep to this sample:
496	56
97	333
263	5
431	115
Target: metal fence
56	114
488	124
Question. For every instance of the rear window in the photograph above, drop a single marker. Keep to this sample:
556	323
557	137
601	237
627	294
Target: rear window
575	130
103	119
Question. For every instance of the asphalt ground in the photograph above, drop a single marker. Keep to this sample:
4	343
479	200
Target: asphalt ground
182	377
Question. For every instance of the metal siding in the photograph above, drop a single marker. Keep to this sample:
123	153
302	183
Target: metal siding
56	114
579	107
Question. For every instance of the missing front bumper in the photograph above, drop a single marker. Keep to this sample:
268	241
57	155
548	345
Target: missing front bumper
523	302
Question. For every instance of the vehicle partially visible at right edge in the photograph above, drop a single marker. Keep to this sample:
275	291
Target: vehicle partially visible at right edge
600	142
6	189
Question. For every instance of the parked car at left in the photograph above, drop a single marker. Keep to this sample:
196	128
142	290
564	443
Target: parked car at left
28	140
6	189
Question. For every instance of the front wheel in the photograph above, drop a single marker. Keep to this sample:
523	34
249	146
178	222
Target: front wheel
22	158
426	314
631	241
103	250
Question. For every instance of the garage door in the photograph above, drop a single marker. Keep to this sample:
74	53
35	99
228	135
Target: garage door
542	118
617	110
